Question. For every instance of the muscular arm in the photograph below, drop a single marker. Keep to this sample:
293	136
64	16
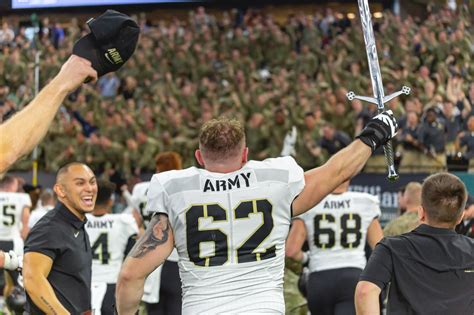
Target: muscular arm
367	298
324	179
150	251
295	240
374	233
36	268
21	133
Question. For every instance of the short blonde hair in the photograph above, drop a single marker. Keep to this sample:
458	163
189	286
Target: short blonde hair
221	138
412	193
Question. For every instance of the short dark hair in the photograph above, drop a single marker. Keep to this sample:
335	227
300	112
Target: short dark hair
443	197
65	168
221	138
104	192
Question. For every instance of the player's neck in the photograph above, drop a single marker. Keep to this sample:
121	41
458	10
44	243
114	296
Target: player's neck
100	211
223	168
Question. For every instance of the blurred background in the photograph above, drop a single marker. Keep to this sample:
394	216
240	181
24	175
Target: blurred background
281	67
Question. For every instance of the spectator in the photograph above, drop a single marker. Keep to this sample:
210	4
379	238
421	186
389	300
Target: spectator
411	147
6	34
466	141
408	220
108	85
432	138
333	140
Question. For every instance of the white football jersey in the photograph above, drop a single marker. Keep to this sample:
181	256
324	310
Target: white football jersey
11	208
139	200
230	231
337	229
108	235
37	214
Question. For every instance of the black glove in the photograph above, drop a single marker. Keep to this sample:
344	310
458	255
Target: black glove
379	130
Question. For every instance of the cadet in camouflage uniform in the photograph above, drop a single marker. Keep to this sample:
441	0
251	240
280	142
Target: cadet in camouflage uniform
409	220
295	302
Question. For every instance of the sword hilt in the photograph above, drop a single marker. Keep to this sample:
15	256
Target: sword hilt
387	148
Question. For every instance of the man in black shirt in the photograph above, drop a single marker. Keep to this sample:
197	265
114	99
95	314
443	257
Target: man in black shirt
431	269
57	264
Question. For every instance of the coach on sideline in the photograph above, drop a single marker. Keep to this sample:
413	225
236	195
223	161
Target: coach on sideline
57	265
431	269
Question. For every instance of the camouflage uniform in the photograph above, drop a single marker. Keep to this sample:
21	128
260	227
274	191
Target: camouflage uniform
295	303
403	224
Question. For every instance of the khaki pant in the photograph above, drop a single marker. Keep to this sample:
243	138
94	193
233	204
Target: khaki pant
411	162
471	166
432	164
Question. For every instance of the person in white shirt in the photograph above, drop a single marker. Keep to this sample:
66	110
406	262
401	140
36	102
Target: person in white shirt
47	202
111	237
229	221
336	230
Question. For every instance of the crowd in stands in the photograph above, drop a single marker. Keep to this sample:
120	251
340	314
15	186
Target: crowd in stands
274	76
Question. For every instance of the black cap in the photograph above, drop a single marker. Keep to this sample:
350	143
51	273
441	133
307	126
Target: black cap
111	42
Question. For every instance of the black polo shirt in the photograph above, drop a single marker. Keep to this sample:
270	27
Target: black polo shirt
431	271
61	236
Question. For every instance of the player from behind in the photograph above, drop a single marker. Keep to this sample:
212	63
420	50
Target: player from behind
336	230
110	235
14	215
229	221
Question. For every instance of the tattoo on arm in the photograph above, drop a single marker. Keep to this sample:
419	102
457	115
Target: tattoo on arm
156	234
53	311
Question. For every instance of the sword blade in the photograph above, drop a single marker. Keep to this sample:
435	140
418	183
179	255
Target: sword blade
375	76
371	49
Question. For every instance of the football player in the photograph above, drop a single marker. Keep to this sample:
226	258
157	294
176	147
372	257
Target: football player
14	215
110	235
336	230
229	221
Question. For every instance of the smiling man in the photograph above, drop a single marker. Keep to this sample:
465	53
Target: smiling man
58	258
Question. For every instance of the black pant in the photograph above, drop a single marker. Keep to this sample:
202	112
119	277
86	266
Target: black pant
170	292
109	300
332	291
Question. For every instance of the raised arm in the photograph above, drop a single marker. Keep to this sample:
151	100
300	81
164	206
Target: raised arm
150	251
346	163
21	133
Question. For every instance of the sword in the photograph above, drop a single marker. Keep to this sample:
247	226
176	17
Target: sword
379	96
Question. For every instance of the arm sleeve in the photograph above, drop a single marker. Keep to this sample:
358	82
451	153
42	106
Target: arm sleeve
157	199
43	239
379	267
